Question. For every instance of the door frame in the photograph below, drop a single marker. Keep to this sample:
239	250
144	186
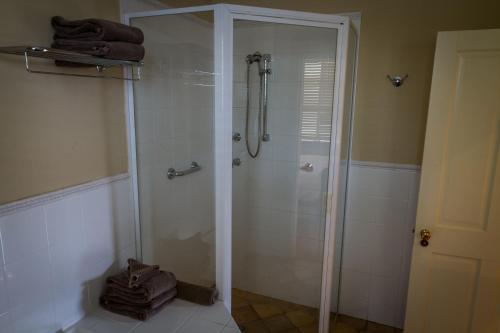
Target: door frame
224	16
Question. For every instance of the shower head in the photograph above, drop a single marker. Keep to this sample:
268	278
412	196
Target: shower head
256	57
263	61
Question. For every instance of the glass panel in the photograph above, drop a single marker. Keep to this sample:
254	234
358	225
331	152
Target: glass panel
174	112
279	197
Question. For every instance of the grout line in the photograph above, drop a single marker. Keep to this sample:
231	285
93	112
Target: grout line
3	252
189	318
46	227
133	328
51	264
5	314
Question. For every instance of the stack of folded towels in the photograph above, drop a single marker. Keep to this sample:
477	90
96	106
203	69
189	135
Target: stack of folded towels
98	37
140	291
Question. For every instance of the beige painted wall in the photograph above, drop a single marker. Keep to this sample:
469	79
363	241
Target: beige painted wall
60	131
55	131
397	37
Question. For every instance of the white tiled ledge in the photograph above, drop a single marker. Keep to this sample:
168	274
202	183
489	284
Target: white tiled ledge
39	200
384	165
178	317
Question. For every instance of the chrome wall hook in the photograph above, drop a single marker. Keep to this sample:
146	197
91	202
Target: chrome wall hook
397	81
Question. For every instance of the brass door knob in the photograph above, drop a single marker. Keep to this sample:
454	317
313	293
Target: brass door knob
425	235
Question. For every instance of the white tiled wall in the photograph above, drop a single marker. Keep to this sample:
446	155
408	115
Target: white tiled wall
378	241
54	256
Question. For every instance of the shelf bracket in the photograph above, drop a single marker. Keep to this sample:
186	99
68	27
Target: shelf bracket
100	64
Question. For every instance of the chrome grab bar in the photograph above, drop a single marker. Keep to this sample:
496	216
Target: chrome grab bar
172	173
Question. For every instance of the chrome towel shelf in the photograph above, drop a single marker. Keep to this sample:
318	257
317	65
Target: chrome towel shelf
172	173
101	64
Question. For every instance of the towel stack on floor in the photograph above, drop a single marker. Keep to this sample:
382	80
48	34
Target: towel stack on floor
98	37
143	290
140	291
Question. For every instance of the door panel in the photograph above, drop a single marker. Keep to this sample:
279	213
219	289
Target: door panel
455	281
471	152
279	204
173	130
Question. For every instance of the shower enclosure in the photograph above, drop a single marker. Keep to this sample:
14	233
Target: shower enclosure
239	148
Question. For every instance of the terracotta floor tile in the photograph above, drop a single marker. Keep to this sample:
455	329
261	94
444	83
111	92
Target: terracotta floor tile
238	292
309	329
379	328
278	324
284	305
312	311
300	318
251	297
357	323
254	327
237	302
342	328
244	314
256	313
266	310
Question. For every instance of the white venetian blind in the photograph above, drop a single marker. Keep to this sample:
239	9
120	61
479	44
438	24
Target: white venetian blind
317	100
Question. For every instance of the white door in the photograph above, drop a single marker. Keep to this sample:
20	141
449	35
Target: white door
455	280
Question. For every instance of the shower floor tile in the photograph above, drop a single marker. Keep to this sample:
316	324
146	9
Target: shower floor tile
256	313
266	310
301	318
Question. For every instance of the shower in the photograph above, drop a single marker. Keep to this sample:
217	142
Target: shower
263	62
265	229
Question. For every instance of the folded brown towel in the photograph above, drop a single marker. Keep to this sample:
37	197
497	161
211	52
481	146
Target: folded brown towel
196	294
112	296
149	289
108	50
112	290
139	272
95	30
140	312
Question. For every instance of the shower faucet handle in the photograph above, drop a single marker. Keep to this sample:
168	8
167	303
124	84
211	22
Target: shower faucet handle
236	162
236	137
309	167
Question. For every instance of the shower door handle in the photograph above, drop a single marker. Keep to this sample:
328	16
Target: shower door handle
172	173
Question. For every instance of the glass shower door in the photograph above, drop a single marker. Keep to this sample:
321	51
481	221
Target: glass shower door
174	120
280	195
